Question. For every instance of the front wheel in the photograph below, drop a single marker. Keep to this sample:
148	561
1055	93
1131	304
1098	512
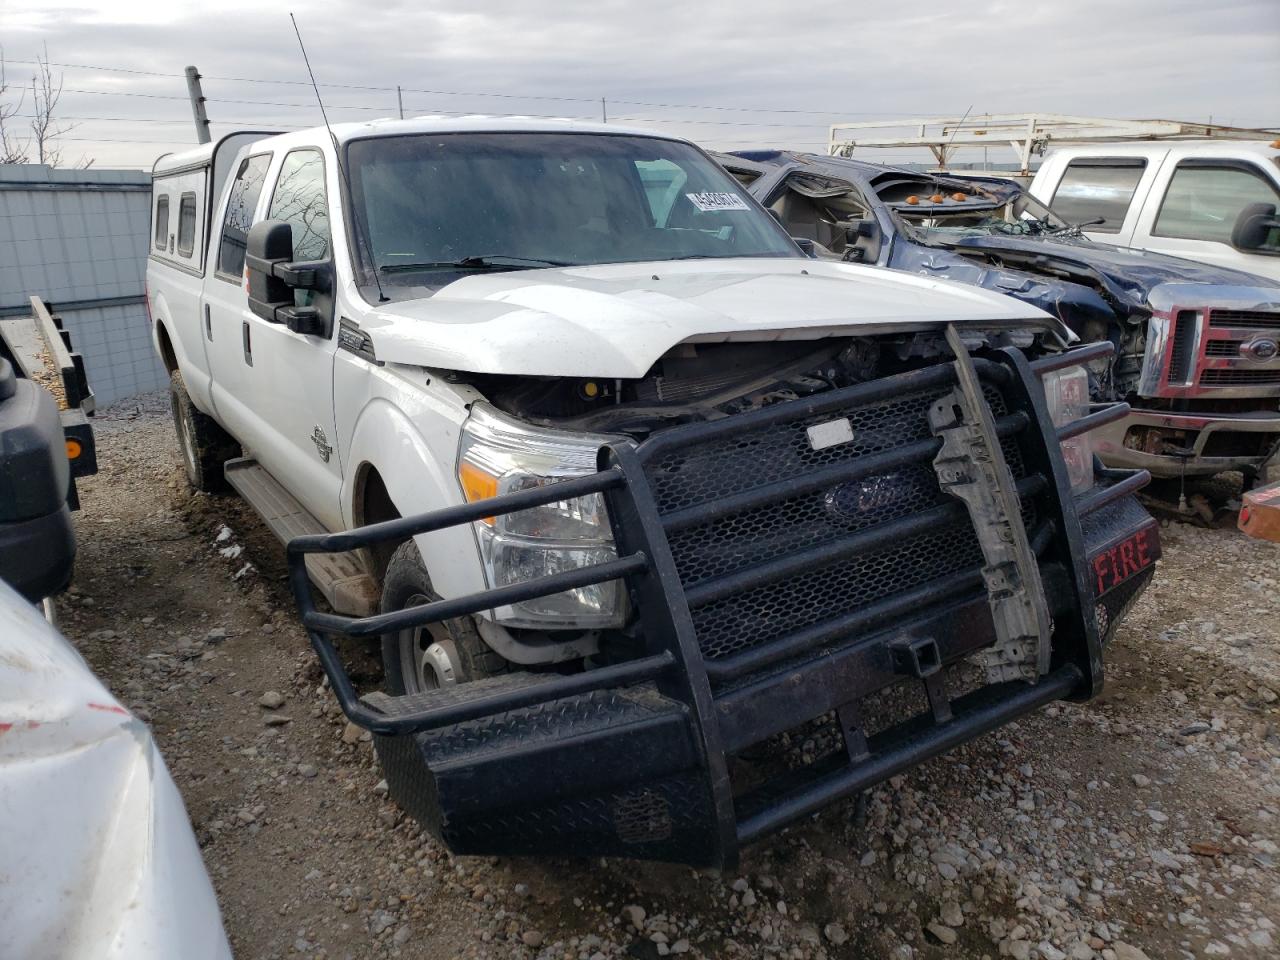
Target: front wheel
419	659
204	445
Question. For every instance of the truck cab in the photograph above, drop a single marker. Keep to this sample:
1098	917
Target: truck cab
1213	201
564	420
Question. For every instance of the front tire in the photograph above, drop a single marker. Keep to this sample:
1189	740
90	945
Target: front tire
420	659
205	446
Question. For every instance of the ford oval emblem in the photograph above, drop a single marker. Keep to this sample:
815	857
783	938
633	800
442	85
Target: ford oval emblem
850	502
1260	349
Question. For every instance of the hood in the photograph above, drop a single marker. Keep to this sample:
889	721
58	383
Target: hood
616	320
1129	275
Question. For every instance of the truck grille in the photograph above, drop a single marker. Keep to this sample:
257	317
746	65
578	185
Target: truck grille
714	556
1182	351
1240	378
1246	319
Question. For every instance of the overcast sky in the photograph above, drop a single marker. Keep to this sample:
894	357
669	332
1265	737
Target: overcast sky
730	75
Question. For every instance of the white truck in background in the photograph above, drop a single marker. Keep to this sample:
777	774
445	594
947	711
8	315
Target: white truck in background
1213	201
624	481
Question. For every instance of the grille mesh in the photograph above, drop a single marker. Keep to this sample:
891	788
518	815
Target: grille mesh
728	544
1240	378
1249	319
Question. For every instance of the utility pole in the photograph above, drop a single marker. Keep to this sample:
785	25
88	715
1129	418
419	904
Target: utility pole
197	105
604	114
399	101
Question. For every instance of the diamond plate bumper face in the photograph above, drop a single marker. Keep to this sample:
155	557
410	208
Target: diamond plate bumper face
788	566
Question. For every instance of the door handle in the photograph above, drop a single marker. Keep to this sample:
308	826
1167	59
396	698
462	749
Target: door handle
248	345
208	323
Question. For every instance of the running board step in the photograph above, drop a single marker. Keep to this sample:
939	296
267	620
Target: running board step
339	576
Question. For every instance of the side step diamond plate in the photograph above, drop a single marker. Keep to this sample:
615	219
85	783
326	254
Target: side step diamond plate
339	576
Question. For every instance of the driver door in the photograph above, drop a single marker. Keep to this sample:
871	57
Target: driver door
293	372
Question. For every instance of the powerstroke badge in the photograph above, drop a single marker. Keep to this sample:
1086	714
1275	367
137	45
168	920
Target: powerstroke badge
1125	559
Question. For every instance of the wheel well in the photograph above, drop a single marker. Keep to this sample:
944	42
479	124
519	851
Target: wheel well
373	505
166	348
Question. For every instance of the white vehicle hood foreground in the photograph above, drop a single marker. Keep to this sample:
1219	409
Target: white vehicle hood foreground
97	857
616	320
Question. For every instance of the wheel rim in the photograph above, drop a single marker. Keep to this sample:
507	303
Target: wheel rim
428	655
185	443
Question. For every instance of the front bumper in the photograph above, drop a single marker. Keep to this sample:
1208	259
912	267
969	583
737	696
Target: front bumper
1216	443
780	584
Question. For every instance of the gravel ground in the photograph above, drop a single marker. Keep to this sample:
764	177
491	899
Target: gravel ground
1142	824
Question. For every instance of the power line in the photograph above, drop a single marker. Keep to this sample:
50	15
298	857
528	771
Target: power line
461	93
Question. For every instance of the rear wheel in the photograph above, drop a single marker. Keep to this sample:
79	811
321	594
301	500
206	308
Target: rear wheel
419	659
204	445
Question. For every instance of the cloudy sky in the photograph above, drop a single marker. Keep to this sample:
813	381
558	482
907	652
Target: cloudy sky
730	75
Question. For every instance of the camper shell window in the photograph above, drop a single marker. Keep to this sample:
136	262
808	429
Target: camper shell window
162	222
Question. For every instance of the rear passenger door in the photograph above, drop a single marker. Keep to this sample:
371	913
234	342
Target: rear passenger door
1106	188
225	317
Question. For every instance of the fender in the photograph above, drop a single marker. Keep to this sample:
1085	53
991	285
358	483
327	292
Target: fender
418	478
194	375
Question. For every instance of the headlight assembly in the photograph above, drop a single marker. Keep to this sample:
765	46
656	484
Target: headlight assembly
1067	394
501	455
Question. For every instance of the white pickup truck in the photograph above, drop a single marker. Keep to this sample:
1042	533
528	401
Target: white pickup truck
560	411
1214	201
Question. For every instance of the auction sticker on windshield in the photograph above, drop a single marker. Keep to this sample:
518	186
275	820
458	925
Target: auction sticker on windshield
707	202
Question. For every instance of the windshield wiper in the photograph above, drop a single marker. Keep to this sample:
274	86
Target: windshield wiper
489	261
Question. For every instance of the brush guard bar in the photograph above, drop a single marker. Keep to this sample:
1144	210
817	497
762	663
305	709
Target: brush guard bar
633	758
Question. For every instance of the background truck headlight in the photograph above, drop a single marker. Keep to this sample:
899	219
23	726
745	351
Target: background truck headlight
1067	394
501	455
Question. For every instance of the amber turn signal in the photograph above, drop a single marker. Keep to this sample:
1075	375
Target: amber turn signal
74	449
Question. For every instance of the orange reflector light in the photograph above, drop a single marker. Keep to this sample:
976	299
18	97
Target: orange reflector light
477	485
591	389
73	448
936	198
959	196
913	199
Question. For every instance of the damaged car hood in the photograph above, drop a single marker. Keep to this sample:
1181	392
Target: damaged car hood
616	320
1129	275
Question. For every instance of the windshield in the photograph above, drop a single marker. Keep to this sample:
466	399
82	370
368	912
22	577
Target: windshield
948	222
429	207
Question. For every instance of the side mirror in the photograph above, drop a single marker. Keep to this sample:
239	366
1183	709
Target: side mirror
1253	225
273	276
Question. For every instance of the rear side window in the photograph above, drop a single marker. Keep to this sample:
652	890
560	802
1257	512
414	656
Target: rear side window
299	199
1098	189
162	222
186	225
245	191
1203	202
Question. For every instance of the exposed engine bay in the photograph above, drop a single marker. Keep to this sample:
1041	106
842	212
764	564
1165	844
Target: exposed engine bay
708	381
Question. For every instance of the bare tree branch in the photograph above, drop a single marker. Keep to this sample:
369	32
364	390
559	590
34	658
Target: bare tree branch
45	93
11	149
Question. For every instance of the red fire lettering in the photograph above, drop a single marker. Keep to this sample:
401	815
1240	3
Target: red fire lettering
1144	558
1099	569
1128	565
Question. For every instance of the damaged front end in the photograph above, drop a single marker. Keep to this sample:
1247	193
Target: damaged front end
788	566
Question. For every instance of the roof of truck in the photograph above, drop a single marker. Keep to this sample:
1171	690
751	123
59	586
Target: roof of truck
1182	148
425	124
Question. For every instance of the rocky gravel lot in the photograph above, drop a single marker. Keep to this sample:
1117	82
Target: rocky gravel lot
1143	824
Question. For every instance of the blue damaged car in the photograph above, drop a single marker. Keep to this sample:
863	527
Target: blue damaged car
1197	348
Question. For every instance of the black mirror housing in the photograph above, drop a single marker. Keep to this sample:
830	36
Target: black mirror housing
273	276
1252	226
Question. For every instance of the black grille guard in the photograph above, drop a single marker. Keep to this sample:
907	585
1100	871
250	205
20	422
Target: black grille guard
633	758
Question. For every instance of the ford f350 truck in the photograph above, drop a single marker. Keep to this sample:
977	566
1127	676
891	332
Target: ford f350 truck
626	486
